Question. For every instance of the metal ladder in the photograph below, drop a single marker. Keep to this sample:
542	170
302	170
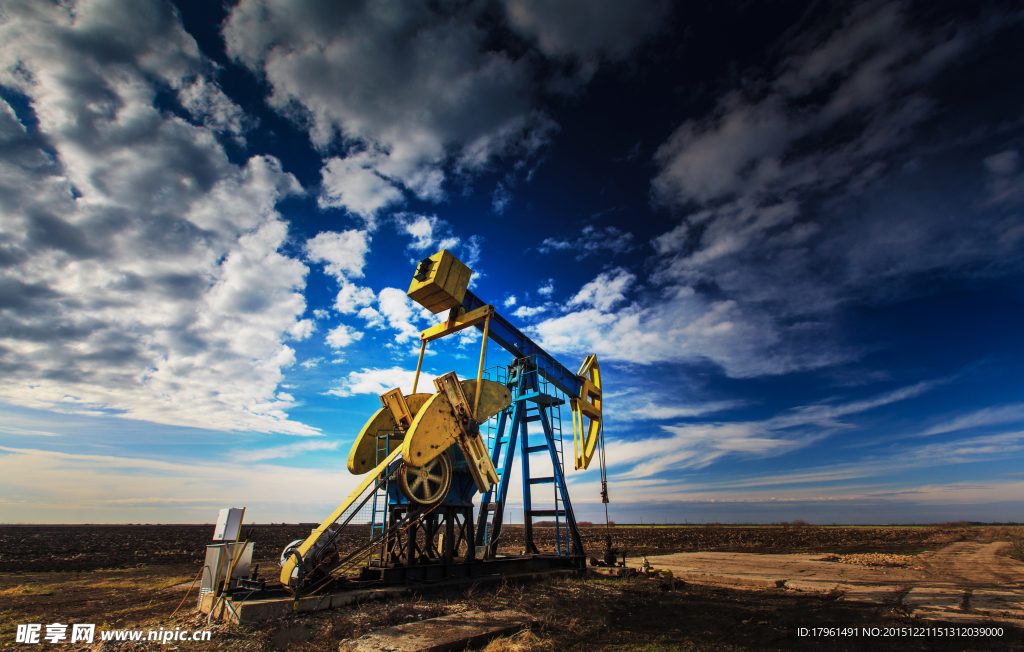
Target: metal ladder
379	513
499	436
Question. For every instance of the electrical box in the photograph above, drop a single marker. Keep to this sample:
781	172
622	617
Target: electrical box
440	282
228	523
218	563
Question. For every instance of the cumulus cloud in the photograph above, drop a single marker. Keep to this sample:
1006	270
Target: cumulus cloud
588	30
378	381
343	253
528	311
682	327
605	291
355	184
428	232
341	336
352	298
410	88
747	182
143	269
752	275
208	104
344	256
402	314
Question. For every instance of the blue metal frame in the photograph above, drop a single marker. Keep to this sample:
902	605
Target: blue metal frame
512	340
527	396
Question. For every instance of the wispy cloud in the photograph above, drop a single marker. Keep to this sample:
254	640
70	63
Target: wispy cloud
378	381
651	411
47	486
990	416
12	430
288	450
695	446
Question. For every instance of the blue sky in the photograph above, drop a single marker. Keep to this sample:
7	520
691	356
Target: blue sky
791	232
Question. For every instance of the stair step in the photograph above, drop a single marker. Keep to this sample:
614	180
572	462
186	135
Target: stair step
536	449
531	419
545	512
550	480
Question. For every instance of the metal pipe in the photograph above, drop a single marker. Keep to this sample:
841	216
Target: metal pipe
416	380
480	370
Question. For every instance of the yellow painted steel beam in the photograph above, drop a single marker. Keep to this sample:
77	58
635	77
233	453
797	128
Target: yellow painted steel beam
304	547
585	437
434	429
460	322
363	455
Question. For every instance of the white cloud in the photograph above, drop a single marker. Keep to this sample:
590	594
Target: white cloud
373	318
47	486
402	314
352	298
990	416
341	336
354	184
1005	187
528	311
279	452
301	329
207	103
683	327
147	277
510	301
547	288
651	411
699	445
413	87
605	291
756	258
501	198
344	252
311	362
429	234
589	29
378	381
592	240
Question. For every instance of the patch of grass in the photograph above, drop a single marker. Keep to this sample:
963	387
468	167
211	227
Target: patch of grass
26	589
1017	550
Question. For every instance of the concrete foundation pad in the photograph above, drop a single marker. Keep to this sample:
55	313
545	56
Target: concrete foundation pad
254	611
922	597
453	632
868	594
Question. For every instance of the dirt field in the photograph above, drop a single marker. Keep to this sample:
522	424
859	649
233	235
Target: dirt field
147	570
62	548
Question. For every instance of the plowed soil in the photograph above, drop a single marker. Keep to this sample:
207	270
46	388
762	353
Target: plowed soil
125	576
63	548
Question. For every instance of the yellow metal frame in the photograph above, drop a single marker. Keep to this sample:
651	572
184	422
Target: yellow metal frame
588	405
460	322
305	546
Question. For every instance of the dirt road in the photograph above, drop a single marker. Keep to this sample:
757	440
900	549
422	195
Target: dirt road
964	581
972	565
